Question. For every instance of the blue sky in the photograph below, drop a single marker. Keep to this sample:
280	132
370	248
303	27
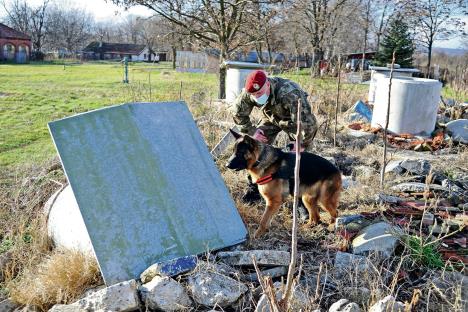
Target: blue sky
103	10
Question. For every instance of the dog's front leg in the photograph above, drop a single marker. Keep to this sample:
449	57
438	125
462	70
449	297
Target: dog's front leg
272	207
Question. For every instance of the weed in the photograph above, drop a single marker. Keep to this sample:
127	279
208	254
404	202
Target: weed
423	253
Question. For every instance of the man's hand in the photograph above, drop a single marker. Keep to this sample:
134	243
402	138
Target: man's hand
259	135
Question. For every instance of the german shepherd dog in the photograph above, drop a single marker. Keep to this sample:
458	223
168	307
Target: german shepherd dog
273	171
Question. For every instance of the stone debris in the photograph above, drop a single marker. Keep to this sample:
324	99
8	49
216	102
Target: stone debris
7	305
352	223
213	289
394	167
416	187
388	304
387	199
170	268
119	297
262	257
65	308
345	262
452	285
344	305
379	237
416	166
273	272
360	295
299	299
458	130
164	293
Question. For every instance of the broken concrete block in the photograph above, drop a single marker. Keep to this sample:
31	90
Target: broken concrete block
352	223
263	257
344	305
428	219
299	299
452	285
213	289
387	199
119	297
394	167
345	262
361	134
416	166
8	305
388	304
365	171
65	308
348	182
417	187
169	268
360	295
273	272
379	237
164	293
458	130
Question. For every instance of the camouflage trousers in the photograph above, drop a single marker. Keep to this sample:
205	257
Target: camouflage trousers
271	130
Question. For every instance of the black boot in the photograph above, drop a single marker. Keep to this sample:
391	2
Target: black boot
251	195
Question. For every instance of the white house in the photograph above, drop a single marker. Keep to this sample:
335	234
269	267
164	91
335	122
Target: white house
112	51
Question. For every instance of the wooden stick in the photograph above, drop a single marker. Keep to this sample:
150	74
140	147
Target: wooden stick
267	287
337	100
384	164
292	264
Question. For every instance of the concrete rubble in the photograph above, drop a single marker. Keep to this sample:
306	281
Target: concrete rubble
164	293
262	257
119	297
213	289
299	299
379	238
344	305
388	304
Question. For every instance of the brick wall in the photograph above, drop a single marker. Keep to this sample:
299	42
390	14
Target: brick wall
25	56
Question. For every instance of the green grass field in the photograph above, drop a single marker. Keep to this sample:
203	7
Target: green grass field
34	94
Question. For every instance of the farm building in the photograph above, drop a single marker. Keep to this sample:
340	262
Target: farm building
117	51
15	46
202	62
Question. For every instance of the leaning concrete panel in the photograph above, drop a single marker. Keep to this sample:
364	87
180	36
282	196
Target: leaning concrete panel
146	186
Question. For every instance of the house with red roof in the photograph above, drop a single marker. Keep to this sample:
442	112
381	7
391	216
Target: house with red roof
15	46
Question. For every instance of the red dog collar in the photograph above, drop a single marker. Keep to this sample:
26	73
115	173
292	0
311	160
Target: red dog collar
264	180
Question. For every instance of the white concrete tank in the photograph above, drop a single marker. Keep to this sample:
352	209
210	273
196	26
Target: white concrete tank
236	74
377	72
413	105
65	225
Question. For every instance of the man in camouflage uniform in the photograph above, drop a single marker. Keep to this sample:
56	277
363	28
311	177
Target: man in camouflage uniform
277	98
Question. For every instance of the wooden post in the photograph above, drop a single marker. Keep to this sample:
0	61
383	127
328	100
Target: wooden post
292	264
337	100
384	161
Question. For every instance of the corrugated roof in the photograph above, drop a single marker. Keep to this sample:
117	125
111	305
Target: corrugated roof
120	48
10	33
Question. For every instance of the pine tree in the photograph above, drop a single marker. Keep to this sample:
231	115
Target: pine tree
398	38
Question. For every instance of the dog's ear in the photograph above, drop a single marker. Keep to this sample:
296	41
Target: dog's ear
235	134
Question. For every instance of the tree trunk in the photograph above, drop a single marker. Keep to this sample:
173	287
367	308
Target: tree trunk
429	58
222	81
174	55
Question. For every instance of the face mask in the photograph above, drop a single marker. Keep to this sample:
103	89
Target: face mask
261	100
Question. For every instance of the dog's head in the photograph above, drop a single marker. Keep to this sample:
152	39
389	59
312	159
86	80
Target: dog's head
244	154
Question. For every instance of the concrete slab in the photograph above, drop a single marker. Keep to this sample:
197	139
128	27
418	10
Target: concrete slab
146	186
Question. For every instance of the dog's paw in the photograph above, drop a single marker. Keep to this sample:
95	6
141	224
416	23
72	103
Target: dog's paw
259	232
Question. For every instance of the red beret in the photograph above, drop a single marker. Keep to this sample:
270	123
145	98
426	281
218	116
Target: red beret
255	81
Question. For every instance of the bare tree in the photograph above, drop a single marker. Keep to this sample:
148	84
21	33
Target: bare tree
320	19
437	20
216	23
69	28
28	19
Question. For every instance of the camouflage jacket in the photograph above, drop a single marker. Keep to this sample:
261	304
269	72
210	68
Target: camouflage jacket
280	110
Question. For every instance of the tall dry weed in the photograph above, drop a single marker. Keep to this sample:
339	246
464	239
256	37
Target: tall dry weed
61	277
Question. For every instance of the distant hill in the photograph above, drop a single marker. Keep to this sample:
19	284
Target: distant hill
450	51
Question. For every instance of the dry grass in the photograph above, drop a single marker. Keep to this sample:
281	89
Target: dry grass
61	277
